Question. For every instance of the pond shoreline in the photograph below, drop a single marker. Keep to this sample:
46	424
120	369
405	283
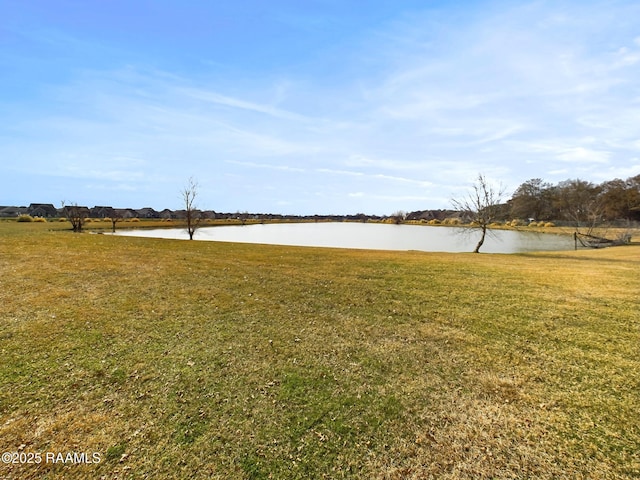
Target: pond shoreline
368	236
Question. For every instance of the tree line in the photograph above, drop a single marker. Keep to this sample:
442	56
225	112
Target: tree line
577	201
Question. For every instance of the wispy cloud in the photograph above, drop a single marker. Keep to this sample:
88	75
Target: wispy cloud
285	168
583	155
408	109
223	100
359	160
347	173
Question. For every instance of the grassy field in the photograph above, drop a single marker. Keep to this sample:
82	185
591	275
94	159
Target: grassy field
177	359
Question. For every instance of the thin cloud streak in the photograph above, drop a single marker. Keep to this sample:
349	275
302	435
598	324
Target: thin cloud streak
223	100
398	113
285	168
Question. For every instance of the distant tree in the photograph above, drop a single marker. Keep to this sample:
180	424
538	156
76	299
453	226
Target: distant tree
243	217
398	217
532	199
621	198
483	204
115	218
193	217
76	215
579	202
633	197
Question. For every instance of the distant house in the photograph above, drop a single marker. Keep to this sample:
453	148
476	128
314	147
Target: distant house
147	212
420	215
13	211
166	214
426	215
360	217
103	212
42	210
76	211
125	213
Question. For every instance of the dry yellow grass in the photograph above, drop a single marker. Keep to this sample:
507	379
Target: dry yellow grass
175	359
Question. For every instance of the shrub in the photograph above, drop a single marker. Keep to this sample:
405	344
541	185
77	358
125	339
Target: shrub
434	221
452	221
516	222
62	219
135	219
40	220
25	218
106	219
549	224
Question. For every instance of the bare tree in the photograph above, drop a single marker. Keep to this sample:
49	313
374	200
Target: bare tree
193	217
398	217
483	205
76	215
580	202
532	199
243	217
115	218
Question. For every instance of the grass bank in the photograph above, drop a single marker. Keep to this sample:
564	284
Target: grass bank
177	359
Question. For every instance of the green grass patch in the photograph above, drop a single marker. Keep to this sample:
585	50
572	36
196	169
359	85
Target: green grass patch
177	359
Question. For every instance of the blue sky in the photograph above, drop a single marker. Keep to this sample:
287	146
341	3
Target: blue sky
315	106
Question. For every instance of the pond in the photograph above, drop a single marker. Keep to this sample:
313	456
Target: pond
372	236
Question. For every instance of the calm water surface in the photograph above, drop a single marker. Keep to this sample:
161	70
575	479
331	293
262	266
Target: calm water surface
371	236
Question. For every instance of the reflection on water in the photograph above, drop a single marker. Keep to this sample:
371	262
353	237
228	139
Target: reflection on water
371	236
